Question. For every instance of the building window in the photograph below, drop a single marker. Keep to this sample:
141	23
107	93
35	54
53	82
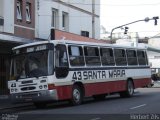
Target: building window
54	18
65	21
28	12
19	10
85	33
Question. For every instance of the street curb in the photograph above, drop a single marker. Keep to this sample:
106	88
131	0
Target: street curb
156	87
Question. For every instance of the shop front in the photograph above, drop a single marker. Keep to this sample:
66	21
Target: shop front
5	56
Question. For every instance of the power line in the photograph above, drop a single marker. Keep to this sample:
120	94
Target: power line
154	4
147	31
80	3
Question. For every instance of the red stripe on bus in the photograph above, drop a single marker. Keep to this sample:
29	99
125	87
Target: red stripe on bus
64	92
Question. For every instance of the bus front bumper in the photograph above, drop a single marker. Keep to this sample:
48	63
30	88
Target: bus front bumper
39	96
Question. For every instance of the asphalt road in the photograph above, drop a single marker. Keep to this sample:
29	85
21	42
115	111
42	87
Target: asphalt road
144	105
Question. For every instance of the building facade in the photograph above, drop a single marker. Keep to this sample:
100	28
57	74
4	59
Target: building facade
154	55
74	16
15	28
24	21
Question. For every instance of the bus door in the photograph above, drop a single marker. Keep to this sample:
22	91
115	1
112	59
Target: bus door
61	61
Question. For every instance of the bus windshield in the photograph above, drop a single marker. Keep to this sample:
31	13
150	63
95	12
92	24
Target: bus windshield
34	64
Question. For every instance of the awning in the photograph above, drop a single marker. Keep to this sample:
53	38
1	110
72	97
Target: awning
10	38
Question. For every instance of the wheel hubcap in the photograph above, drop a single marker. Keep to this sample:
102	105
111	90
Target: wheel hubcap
130	88
76	95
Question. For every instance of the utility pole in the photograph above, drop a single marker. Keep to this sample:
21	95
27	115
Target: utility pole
93	19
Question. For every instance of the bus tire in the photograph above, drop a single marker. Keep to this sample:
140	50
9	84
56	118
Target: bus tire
77	95
129	90
40	105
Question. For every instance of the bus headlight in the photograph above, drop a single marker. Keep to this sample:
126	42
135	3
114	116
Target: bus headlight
14	90
45	86
40	87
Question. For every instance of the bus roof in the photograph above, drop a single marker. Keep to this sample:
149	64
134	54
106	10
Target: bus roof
71	42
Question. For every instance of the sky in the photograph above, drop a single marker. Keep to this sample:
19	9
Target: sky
114	13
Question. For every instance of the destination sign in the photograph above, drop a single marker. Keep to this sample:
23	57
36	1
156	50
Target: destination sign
98	74
34	48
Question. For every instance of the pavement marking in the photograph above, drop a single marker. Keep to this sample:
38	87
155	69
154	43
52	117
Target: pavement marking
138	106
95	118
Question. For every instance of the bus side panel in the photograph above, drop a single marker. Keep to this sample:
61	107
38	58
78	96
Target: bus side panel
64	92
104	87
142	82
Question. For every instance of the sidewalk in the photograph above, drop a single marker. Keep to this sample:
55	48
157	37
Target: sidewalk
156	84
5	103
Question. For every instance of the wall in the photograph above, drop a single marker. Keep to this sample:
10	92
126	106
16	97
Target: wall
1	8
154	59
60	35
154	41
86	5
97	28
78	20
22	28
9	16
1	15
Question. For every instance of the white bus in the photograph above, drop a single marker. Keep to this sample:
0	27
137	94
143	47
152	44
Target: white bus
55	70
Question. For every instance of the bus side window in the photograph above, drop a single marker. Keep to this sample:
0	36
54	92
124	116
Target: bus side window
92	56
120	57
132	57
76	56
141	57
61	61
107	56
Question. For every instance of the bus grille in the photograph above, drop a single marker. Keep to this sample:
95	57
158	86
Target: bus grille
28	88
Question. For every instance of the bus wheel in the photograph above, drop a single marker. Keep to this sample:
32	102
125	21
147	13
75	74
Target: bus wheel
129	90
77	95
40	105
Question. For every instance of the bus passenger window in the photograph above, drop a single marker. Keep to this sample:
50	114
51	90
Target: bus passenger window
92	56
141	57
76	55
132	57
120	57
107	56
